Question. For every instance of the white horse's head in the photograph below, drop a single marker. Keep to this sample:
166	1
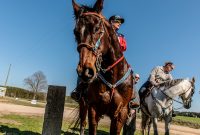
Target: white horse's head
188	92
184	88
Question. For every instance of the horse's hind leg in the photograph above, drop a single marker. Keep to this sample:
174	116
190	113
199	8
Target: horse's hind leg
83	115
144	121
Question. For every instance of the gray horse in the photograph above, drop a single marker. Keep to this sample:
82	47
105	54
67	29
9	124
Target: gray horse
159	103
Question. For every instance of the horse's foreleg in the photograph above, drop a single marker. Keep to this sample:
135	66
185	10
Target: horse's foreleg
93	120
83	115
167	124
118	122
155	121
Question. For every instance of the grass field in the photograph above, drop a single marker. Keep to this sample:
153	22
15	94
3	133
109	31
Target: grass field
187	121
32	125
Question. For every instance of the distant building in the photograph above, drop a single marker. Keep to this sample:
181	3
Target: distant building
2	91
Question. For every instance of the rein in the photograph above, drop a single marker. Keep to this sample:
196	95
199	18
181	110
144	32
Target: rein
180	95
171	98
94	48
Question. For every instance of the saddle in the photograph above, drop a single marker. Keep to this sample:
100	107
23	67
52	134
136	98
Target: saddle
147	87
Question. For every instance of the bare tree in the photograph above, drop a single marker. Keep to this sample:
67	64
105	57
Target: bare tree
36	83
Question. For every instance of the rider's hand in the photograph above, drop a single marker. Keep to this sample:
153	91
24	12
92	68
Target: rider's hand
156	84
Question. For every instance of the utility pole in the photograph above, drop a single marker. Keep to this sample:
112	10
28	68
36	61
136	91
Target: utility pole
7	76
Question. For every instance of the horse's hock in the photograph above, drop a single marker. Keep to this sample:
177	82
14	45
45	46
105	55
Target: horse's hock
54	110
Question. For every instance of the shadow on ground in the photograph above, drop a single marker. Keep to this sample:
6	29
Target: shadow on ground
14	131
76	132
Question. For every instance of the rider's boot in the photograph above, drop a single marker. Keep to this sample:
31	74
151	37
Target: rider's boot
133	104
78	92
76	95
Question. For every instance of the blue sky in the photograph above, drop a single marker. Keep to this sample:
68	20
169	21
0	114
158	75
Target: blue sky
38	35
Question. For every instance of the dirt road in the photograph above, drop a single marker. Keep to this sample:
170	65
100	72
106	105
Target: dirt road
68	114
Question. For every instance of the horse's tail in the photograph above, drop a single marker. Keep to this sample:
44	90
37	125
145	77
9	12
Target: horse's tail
73	126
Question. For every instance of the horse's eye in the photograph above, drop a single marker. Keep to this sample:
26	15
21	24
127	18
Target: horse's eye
96	29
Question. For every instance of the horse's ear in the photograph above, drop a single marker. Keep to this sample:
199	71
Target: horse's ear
76	8
193	80
98	6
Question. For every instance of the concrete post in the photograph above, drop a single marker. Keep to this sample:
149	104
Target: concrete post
54	110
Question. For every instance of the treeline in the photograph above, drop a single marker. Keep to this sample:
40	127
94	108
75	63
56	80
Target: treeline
16	92
189	114
23	93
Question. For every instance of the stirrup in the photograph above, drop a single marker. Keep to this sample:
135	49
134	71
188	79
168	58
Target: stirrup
134	106
76	96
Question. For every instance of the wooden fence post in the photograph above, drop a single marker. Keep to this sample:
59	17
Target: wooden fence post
54	110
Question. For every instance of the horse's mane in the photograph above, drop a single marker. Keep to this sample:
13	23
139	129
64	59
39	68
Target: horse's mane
171	83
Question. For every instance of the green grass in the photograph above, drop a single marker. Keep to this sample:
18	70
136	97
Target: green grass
24	125
188	119
21	125
32	125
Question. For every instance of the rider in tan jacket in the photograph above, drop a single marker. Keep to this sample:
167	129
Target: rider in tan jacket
158	75
161	74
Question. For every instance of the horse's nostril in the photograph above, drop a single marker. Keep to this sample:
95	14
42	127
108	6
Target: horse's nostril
89	73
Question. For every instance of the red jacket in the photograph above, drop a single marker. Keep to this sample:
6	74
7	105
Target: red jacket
122	42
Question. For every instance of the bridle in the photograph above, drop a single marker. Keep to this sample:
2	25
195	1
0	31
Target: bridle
191	93
95	48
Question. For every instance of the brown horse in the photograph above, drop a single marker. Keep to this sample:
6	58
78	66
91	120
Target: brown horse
103	66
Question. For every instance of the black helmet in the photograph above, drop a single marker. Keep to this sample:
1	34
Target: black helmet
116	18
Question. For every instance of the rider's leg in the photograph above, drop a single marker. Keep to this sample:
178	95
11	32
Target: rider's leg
79	91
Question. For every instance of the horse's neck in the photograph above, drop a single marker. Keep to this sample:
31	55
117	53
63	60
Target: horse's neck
118	71
177	89
114	54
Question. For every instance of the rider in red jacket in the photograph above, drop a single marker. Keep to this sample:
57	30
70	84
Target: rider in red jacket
116	22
